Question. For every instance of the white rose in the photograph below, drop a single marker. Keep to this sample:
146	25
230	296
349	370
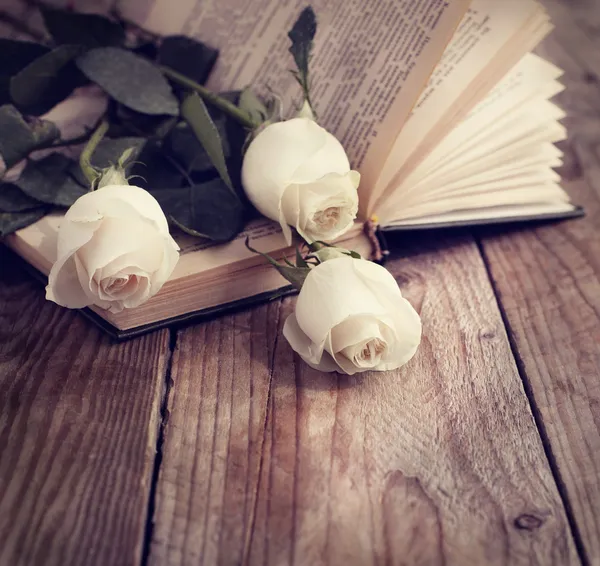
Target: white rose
114	250
297	173
351	317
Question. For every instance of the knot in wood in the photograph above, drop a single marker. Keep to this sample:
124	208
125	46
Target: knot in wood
487	333
528	522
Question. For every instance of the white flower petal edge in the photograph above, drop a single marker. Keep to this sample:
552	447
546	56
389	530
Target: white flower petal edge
114	250
351	317
297	173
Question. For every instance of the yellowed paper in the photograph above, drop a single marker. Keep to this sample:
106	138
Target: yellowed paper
489	35
532	78
370	63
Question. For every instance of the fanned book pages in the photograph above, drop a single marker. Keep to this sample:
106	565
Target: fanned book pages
441	106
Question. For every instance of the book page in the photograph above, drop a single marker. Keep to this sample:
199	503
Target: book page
515	136
371	60
532	78
206	275
502	213
489	36
37	243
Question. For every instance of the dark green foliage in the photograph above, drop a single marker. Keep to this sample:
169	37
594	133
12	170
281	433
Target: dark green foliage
13	199
187	56
47	80
91	30
15	56
209	209
18	138
302	35
130	80
13	221
49	181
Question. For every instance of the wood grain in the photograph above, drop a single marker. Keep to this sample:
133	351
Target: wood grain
79	419
439	463
213	439
548	281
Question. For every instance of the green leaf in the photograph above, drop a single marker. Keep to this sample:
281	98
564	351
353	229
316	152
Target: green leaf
302	35
19	138
183	145
148	50
130	80
295	275
91	30
127	122
153	169
49	181
209	209
253	105
300	261
12	221
195	113
46	81
16	55
187	56
13	199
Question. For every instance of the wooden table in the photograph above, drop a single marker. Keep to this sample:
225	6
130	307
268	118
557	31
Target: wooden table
216	445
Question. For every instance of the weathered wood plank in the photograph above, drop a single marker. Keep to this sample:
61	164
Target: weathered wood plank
79	419
439	463
213	439
548	280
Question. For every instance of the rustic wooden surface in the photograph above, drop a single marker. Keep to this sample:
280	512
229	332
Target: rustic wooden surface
216	445
439	463
79	420
548	282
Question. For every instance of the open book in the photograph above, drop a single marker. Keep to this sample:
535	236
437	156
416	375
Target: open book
439	104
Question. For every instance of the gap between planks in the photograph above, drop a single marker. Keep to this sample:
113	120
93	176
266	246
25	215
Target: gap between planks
537	417
160	439
164	419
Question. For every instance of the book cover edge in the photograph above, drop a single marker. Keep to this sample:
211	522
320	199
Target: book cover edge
577	212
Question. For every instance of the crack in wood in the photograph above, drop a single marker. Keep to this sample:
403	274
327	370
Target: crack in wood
164	419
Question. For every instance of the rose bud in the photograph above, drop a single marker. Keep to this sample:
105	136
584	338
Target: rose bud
351	317
114	250
298	174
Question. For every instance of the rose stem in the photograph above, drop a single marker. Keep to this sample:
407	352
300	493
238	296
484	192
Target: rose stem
86	155
218	101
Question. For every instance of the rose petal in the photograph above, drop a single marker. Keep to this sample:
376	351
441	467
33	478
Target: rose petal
354	330
300	202
348	340
403	320
313	355
335	292
273	157
136	239
64	287
329	158
407	330
63	280
71	236
170	259
112	200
